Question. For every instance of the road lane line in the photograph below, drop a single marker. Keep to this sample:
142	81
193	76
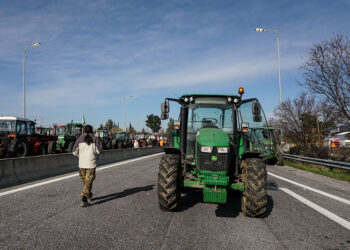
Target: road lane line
73	175
311	189
319	209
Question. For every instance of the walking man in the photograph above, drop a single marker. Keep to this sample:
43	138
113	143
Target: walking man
87	148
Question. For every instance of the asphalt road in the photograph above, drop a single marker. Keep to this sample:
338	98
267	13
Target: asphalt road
125	214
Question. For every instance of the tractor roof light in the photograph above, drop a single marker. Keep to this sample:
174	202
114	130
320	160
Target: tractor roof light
241	91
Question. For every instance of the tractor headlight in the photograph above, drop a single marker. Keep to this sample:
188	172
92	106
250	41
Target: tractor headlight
223	150
206	149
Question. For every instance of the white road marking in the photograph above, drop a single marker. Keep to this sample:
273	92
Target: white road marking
73	175
319	209
311	189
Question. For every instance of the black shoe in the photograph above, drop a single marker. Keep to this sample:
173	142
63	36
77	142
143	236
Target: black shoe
84	202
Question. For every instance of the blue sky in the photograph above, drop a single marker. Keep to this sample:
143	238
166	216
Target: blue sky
93	53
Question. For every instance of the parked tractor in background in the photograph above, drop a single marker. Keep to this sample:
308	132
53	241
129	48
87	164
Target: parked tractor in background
121	140
105	138
215	153
67	135
18	138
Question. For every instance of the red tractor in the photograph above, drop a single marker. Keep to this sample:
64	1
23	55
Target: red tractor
18	138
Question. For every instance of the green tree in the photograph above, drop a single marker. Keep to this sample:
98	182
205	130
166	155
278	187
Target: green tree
101	127
131	129
153	122
109	125
170	129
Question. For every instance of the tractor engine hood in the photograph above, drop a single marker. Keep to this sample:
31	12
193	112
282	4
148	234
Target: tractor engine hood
213	137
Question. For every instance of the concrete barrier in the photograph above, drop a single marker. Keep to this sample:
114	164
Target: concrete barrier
16	171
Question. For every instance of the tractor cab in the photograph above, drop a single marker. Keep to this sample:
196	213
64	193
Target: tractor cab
220	149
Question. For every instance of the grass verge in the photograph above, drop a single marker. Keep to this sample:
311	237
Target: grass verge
339	174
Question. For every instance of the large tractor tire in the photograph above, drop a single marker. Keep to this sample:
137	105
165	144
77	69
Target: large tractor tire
254	200
70	147
51	147
169	193
18	148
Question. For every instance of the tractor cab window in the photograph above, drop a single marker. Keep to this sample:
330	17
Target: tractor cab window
30	128
7	126
77	130
208	112
259	134
21	128
59	130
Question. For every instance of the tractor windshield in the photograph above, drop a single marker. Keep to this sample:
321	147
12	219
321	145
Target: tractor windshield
59	130
7	126
208	112
259	134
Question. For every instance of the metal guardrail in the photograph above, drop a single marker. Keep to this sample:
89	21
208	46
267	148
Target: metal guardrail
327	163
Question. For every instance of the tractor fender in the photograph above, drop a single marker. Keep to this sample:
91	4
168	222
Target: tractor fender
169	150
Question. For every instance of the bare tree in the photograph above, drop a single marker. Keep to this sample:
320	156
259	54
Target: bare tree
326	72
304	122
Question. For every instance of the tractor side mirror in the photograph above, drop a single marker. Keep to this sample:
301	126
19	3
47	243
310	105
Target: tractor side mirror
165	110
164	116
165	107
257	118
256	108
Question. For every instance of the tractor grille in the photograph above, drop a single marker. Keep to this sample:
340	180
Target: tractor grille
205	161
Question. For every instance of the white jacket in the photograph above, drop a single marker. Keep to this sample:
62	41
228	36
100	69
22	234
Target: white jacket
87	153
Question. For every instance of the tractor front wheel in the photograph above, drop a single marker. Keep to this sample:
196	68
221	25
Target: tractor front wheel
169	194
254	200
51	147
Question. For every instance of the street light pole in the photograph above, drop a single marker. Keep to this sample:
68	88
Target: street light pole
24	77
124	104
279	86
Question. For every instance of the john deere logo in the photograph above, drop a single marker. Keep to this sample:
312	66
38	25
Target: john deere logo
214	158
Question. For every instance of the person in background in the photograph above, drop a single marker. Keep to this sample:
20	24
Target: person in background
136	144
87	147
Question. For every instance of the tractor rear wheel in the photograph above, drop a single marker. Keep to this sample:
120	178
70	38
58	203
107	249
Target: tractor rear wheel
18	148
169	193
51	147
70	147
254	200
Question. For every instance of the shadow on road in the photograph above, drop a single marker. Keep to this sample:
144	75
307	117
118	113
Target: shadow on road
233	206
190	198
126	192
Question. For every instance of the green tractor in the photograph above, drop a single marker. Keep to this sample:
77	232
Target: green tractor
265	142
105	138
67	135
215	152
121	140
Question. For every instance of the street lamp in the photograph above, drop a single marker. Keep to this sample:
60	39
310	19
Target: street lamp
24	77
279	84
124	104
